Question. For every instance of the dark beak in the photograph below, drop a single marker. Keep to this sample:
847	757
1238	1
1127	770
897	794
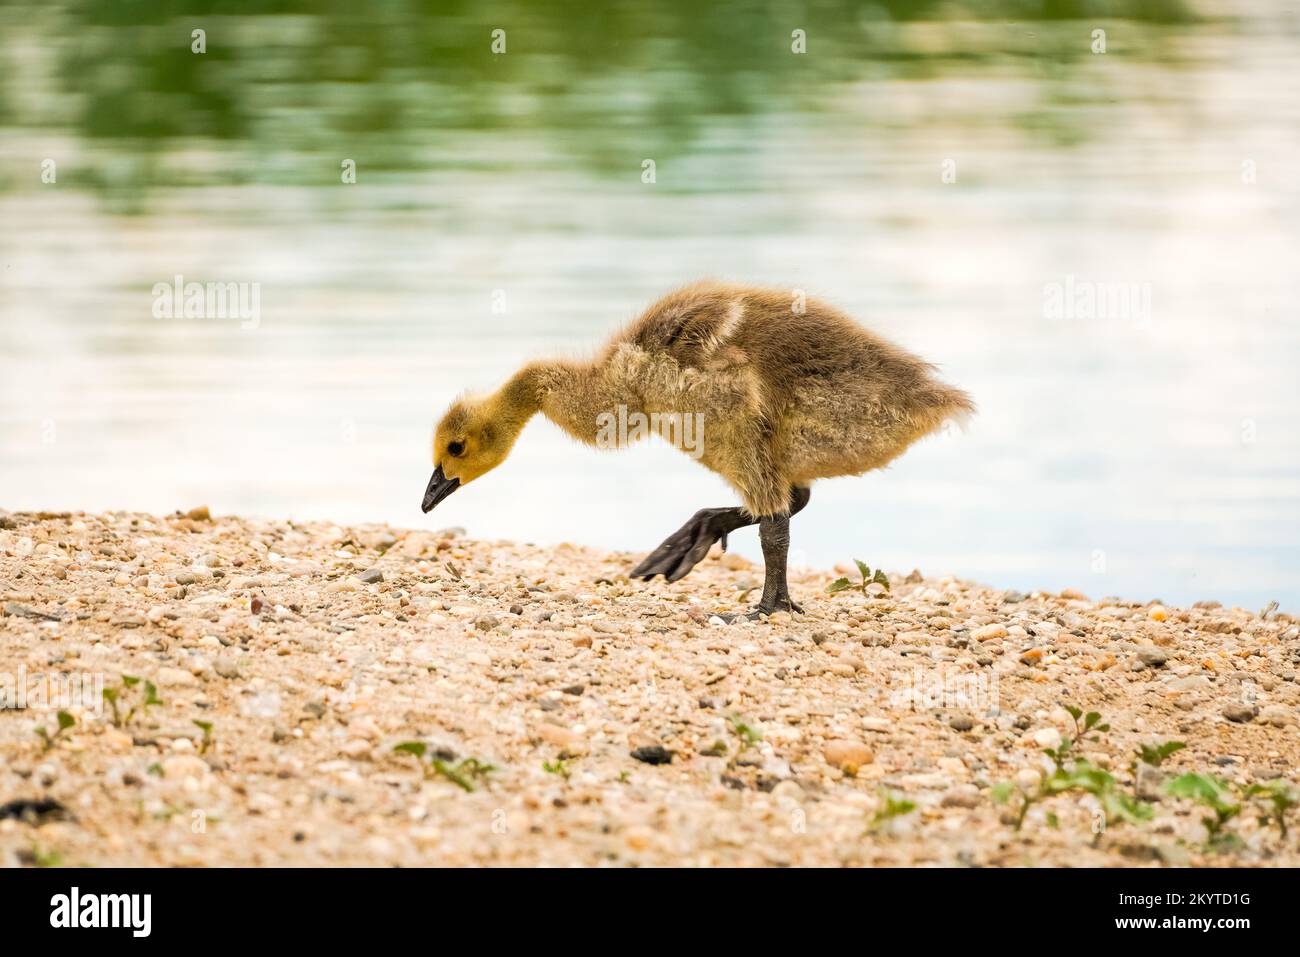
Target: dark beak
439	488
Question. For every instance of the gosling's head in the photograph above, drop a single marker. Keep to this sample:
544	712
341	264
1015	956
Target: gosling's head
469	441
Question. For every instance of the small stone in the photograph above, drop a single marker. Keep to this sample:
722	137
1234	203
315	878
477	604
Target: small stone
1235	711
1279	716
569	742
356	748
176	678
966	797
961	722
989	632
847	755
1047	737
1157	613
1152	657
117	740
370	576
652	754
23	611
486	622
199	514
638	838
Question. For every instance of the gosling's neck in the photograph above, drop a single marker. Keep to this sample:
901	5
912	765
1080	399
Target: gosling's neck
565	392
512	405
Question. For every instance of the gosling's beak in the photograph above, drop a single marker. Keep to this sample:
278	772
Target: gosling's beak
439	488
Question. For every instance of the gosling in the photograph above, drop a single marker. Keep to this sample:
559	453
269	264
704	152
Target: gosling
786	391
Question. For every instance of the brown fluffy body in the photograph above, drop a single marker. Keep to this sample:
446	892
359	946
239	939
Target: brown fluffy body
787	396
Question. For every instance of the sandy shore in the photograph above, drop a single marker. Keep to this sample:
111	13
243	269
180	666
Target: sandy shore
568	716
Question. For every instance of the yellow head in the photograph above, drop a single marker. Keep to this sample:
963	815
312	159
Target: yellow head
474	437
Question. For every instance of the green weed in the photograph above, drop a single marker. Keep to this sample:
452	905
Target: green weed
868	578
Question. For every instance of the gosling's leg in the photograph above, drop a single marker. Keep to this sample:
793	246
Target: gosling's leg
685	548
774	535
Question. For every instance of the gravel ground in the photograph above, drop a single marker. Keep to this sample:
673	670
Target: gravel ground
622	723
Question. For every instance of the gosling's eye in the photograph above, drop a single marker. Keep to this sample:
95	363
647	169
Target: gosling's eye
456	448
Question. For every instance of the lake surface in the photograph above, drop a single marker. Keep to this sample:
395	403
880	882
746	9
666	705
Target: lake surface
1101	248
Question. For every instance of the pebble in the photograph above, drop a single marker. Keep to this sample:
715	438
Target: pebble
963	797
176	678
1279	716
1047	737
568	741
989	632
1152	656
652	754
356	748
226	667
847	755
370	576
1235	711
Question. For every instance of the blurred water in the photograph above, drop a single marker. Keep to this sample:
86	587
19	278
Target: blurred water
1149	456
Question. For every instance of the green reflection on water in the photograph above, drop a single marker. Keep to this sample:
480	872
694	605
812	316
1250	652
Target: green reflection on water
381	82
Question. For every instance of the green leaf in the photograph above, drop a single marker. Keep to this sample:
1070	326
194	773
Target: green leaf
1154	756
838	586
1001	792
1075	713
205	726
130	681
66	720
418	748
1206	789
1091	719
864	569
879	578
891	806
452	774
